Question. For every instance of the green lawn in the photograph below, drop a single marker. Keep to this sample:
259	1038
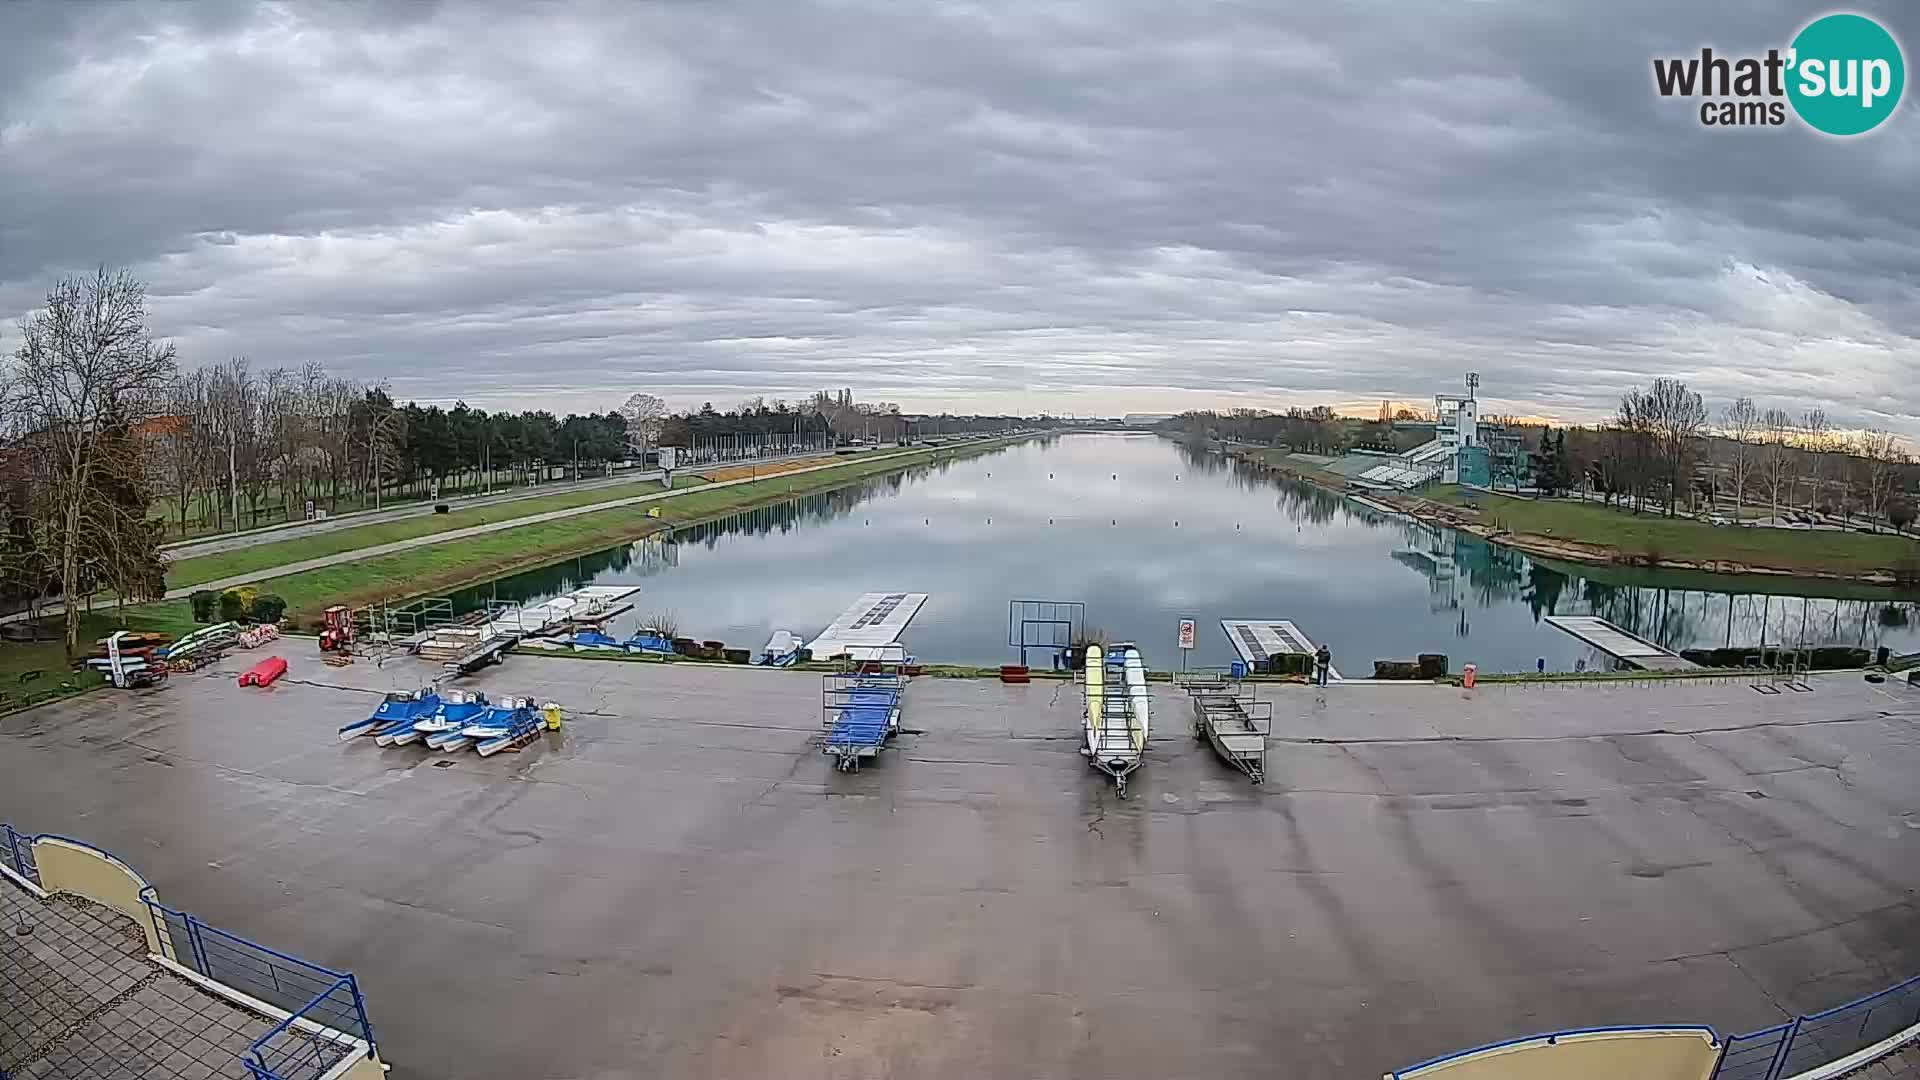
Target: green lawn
1652	536
273	511
262	556
20	659
439	568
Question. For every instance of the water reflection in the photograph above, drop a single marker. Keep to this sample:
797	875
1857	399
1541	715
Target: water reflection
1145	532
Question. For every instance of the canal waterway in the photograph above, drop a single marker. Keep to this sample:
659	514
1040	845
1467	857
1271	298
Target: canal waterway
1144	532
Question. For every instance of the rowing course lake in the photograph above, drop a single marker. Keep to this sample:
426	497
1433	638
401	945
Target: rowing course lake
1144	531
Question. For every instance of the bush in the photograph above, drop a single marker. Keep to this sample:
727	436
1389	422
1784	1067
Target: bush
236	602
268	608
666	622
203	601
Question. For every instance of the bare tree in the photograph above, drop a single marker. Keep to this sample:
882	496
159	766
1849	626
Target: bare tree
1879	459
1674	417
231	411
385	434
1815	438
180	450
1739	421
85	371
1776	460
645	415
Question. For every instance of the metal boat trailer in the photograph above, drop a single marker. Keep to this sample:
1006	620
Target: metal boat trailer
1115	726
491	651
860	708
1228	714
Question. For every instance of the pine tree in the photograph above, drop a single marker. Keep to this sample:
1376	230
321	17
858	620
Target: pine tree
1546	466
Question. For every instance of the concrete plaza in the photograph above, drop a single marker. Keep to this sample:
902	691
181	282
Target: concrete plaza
678	885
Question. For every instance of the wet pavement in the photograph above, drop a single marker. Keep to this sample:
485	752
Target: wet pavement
678	884
79	1000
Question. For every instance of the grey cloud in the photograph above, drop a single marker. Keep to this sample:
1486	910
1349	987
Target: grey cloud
1099	206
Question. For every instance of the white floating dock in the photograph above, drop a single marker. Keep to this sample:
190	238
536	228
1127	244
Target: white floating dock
1621	644
1259	640
588	601
874	619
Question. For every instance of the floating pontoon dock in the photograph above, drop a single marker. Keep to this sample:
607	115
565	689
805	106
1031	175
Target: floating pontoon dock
1258	641
1623	645
589	603
874	620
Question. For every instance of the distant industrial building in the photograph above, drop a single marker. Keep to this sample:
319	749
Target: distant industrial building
1146	419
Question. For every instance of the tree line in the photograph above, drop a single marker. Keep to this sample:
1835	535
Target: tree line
1659	451
111	448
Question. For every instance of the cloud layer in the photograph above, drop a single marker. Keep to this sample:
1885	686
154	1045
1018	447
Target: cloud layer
1094	206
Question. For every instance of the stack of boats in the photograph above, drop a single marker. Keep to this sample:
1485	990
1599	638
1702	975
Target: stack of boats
450	720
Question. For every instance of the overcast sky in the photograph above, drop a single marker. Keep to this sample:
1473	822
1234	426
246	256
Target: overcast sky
1092	207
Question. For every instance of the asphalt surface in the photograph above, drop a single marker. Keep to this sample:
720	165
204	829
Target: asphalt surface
678	885
188	549
212	545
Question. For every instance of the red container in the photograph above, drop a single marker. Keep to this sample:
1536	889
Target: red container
264	672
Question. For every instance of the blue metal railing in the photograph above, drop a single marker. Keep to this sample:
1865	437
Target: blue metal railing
1752	1056
309	993
18	854
312	992
292	1052
1848	1029
1783	1050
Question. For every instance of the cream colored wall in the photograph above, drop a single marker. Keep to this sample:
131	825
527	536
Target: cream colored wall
366	1068
1611	1055
84	871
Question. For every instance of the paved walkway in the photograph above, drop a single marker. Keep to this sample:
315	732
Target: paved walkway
79	1000
1904	1065
357	554
273	534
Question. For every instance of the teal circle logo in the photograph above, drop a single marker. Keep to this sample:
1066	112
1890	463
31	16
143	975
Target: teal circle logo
1846	74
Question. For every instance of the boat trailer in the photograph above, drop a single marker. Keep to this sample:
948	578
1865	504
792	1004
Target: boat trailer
490	651
1228	713
860	708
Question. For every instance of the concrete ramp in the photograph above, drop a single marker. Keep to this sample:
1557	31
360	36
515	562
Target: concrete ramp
1623	645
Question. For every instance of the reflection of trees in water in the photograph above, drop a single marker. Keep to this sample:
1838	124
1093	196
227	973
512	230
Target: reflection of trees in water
783	517
1699	618
1674	618
1304	503
654	554
1197	460
550	580
1495	573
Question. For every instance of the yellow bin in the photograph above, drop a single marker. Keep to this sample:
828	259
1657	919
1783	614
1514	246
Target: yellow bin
552	710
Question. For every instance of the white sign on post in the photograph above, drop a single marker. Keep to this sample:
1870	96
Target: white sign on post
1186	633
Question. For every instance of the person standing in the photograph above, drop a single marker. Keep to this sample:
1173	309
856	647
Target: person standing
1323	662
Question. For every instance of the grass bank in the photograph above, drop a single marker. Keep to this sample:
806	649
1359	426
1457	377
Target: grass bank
441	568
1651	540
1584	534
246	560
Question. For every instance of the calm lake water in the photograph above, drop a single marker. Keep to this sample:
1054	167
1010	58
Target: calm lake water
1143	532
